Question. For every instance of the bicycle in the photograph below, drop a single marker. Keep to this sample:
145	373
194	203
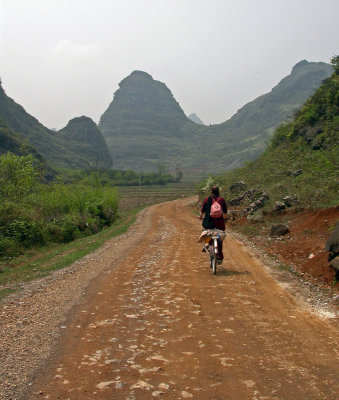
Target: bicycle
213	252
210	239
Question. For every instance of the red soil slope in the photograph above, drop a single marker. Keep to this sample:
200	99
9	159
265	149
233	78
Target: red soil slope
304	245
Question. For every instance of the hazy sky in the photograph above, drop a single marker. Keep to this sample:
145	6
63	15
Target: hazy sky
61	59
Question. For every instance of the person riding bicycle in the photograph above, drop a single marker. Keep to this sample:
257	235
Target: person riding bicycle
212	207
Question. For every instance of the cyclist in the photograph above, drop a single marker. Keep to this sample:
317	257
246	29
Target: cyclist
212	207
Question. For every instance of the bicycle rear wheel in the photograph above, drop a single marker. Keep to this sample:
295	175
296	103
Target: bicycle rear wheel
213	257
214	264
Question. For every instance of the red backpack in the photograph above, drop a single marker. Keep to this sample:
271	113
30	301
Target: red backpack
216	210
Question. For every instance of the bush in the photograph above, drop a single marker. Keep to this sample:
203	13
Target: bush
28	233
62	231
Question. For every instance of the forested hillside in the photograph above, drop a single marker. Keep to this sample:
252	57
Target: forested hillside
248	132
12	142
65	149
84	137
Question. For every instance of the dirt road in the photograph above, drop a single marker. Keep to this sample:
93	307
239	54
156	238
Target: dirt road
159	324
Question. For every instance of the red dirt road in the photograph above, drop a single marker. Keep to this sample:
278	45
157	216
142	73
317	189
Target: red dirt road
159	324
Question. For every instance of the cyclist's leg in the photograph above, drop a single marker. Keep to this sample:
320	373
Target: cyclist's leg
220	253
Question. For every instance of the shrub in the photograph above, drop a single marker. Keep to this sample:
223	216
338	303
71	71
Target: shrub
62	231
28	233
9	247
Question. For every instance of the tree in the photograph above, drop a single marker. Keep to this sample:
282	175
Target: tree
18	175
178	174
335	64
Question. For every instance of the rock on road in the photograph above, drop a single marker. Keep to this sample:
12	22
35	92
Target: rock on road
155	323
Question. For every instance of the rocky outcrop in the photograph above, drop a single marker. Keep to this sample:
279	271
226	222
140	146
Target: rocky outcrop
288	201
279	206
291	200
237	186
279	229
248	195
256	197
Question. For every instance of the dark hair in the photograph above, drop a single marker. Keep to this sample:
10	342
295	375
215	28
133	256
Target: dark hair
215	191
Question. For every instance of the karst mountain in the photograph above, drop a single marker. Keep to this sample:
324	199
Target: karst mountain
144	125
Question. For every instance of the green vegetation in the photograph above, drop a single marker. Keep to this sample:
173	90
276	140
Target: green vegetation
33	213
308	143
40	262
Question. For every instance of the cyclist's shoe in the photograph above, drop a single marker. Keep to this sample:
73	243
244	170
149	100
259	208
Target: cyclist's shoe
219	261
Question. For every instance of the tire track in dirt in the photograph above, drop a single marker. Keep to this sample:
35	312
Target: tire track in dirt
161	325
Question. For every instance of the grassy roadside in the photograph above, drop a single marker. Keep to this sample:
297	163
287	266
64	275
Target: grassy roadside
40	262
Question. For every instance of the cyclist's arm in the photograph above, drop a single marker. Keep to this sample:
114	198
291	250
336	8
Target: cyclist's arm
203	209
224	209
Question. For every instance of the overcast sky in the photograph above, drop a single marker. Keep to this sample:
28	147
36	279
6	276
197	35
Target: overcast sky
61	59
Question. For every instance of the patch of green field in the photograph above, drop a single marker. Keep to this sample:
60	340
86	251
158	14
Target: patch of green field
134	196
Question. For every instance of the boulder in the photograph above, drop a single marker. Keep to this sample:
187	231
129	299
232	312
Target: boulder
236	201
335	263
332	244
279	229
291	200
257	204
238	186
278	206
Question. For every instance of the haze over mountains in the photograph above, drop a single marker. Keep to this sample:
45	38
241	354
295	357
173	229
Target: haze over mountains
144	126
